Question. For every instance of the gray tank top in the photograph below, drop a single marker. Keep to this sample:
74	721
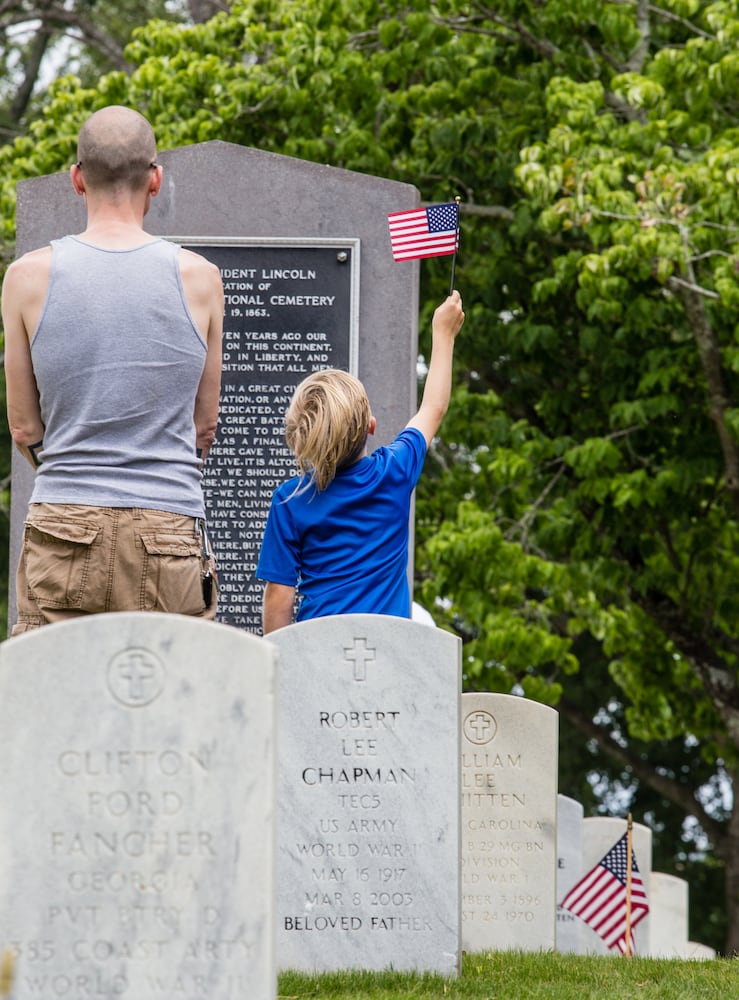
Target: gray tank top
118	361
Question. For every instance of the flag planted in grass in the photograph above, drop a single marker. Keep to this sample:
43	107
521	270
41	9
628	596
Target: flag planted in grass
610	898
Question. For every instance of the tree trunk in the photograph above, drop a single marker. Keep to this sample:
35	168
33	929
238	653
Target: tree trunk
728	850
31	70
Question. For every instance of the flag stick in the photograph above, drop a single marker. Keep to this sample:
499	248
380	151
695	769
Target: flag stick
628	886
454	258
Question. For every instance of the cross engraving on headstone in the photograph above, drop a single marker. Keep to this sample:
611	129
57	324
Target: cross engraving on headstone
480	727
135	677
360	653
138	671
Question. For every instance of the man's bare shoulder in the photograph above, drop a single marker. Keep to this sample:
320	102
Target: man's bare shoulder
192	263
29	270
203	287
32	260
201	280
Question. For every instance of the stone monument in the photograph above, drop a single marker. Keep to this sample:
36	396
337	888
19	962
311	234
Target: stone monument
304	252
137	781
368	842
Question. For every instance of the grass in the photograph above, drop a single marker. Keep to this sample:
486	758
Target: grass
531	976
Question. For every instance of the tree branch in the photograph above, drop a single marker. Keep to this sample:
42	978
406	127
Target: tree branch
643	770
203	10
512	30
64	20
669	15
712	362
698	647
680	286
641	51
31	70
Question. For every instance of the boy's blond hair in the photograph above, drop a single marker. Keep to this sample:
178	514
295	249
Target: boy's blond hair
327	423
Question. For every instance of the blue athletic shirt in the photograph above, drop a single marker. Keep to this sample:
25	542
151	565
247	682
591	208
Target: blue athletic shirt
346	548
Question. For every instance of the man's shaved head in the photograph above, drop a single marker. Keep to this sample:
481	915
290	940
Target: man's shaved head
116	146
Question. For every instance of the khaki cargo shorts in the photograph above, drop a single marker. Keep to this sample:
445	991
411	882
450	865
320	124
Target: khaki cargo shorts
79	560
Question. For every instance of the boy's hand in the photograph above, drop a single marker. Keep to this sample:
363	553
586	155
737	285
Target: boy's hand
449	317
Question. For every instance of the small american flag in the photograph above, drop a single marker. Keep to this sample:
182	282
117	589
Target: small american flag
600	897
424	232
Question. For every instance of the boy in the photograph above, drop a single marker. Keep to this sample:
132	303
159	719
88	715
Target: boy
338	532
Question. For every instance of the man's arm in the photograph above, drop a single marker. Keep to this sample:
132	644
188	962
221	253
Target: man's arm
277	606
23	291
446	324
204	291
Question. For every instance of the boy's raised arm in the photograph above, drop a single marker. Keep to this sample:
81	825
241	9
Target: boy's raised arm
446	324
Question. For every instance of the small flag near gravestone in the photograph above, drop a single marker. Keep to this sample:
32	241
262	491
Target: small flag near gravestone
611	898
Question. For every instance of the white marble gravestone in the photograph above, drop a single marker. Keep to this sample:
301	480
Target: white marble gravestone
668	907
569	871
137	781
600	833
509	816
699	952
368	749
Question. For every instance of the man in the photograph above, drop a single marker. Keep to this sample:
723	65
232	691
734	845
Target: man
113	369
